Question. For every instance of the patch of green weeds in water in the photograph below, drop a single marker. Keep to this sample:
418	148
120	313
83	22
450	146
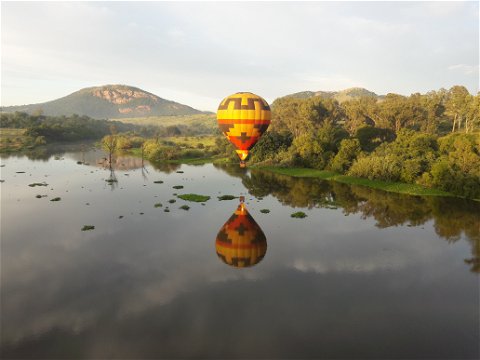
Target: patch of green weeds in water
88	227
194	197
227	197
56	199
185	207
299	215
38	184
264	211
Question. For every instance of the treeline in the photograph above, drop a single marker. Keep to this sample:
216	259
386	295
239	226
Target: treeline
430	139
72	128
60	128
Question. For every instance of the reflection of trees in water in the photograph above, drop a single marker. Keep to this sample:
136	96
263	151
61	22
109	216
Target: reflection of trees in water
452	216
165	167
232	170
45	153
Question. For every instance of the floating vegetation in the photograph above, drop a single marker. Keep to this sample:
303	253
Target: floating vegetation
79	162
120	217
194	197
166	209
185	207
171	201
38	184
57	158
141	213
88	227
111	181
38	196
178	187
20	172
259	198
56	199
158	182
299	215
180	172
264	211
227	197
157	205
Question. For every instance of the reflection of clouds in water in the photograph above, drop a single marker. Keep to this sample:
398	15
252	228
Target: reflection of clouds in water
57	277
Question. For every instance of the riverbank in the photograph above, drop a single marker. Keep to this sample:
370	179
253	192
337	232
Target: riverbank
401	188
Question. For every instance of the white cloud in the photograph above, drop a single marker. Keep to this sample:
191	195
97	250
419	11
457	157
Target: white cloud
465	69
202	51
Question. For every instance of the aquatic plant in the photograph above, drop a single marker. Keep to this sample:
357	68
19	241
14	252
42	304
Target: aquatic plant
298	215
38	184
227	197
194	197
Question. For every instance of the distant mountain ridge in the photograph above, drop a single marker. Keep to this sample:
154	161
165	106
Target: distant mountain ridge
340	96
107	102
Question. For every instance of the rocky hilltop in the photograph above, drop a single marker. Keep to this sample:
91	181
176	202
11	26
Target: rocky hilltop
340	96
107	102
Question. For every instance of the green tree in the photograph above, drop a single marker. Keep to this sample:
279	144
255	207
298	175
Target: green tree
348	152
457	105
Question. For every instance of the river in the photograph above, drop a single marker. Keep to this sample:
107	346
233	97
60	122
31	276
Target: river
367	274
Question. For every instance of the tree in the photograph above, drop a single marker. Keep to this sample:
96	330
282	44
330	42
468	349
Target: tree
109	143
457	105
348	152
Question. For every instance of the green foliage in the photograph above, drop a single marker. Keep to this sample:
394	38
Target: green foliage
371	137
227	197
348	152
194	197
386	168
269	146
298	215
88	227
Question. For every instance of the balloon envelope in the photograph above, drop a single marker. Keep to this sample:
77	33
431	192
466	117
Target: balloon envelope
243	118
241	242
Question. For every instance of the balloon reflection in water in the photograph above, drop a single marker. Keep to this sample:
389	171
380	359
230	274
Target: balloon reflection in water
241	242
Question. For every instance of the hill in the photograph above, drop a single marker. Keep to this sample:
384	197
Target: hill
108	101
340	96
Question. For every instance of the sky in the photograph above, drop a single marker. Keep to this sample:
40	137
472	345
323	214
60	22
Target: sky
197	53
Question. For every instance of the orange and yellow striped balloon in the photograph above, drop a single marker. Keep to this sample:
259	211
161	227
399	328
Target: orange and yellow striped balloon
241	242
243	118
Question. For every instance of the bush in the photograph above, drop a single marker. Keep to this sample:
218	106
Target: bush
376	168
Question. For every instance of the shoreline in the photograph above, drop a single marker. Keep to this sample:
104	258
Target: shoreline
395	187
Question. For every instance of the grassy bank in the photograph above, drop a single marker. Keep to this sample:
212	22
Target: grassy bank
402	188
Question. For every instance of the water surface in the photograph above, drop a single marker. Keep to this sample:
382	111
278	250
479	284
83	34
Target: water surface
366	274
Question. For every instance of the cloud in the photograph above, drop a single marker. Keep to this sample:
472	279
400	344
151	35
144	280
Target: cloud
465	69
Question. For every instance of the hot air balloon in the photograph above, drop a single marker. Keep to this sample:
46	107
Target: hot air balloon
241	242
243	118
